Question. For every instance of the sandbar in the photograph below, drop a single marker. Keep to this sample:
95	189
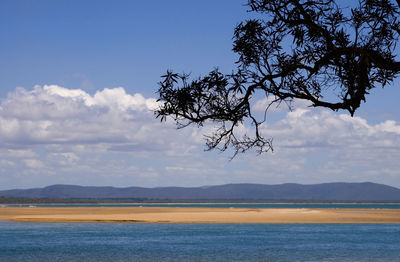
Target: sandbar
197	215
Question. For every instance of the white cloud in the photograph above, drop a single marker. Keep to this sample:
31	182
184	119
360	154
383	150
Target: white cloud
274	107
18	153
323	128
64	159
389	126
7	163
33	163
56	115
58	135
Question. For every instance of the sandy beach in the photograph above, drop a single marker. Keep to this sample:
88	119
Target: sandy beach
196	215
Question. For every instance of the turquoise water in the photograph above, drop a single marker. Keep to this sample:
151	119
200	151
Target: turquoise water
198	242
235	205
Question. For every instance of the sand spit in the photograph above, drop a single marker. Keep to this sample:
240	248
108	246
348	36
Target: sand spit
197	215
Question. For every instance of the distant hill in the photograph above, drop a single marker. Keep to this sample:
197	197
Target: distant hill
325	192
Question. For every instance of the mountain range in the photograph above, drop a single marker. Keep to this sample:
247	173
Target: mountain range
325	192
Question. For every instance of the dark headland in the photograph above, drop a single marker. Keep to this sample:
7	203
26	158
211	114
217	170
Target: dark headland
361	192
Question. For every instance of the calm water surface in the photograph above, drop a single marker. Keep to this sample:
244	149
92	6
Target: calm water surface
198	242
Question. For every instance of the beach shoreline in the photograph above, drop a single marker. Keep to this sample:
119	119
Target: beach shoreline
196	215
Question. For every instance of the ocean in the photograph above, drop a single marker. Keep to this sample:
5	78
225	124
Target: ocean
198	242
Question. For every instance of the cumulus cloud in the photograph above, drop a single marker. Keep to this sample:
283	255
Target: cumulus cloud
273	106
18	153
323	128
52	114
6	163
33	163
64	159
71	136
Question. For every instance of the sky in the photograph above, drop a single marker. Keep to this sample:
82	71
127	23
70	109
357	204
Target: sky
78	82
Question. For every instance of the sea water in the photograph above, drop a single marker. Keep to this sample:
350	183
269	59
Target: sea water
198	242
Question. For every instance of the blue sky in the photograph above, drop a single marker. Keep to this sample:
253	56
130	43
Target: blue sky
77	90
126	43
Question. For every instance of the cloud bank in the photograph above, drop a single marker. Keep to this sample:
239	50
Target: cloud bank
55	115
51	134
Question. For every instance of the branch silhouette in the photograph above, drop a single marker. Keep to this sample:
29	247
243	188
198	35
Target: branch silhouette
311	50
